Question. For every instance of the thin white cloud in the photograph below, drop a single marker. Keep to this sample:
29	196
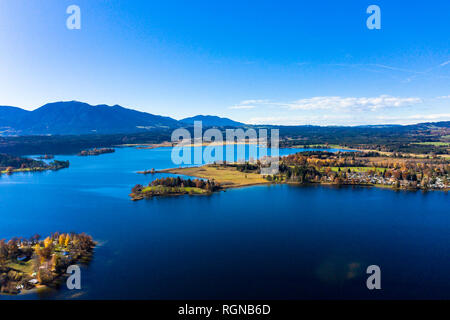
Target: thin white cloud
375	65
249	104
336	110
394	68
259	101
304	119
242	107
347	119
353	103
414	74
415	118
335	103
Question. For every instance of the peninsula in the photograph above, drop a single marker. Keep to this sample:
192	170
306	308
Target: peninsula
396	171
26	264
10	164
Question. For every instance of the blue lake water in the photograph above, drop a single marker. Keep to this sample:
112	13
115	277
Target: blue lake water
278	241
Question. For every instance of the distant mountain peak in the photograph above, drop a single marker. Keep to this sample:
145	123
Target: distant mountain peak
75	117
212	121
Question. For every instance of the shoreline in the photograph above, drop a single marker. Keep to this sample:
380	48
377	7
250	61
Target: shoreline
29	170
384	153
33	265
167	144
225	186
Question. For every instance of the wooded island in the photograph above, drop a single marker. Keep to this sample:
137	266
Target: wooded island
96	152
172	187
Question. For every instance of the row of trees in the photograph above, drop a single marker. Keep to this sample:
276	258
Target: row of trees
209	185
14	162
76	244
355	168
10	163
171	185
96	152
49	257
364	159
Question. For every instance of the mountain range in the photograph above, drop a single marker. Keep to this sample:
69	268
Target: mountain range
76	118
73	117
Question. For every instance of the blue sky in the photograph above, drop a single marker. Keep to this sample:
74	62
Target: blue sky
283	62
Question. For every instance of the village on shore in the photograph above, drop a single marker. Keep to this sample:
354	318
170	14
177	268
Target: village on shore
27	264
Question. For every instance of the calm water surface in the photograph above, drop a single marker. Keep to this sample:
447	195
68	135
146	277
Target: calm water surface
275	241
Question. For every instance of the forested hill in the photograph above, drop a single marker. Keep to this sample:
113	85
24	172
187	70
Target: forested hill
212	121
74	118
420	138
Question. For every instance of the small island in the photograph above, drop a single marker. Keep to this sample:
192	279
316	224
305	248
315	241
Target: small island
46	157
96	152
174	187
145	172
10	164
26	264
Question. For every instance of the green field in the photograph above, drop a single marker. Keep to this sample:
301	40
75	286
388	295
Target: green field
228	177
172	190
25	267
357	169
324	146
25	170
435	143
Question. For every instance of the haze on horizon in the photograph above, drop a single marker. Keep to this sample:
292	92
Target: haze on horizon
259	62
